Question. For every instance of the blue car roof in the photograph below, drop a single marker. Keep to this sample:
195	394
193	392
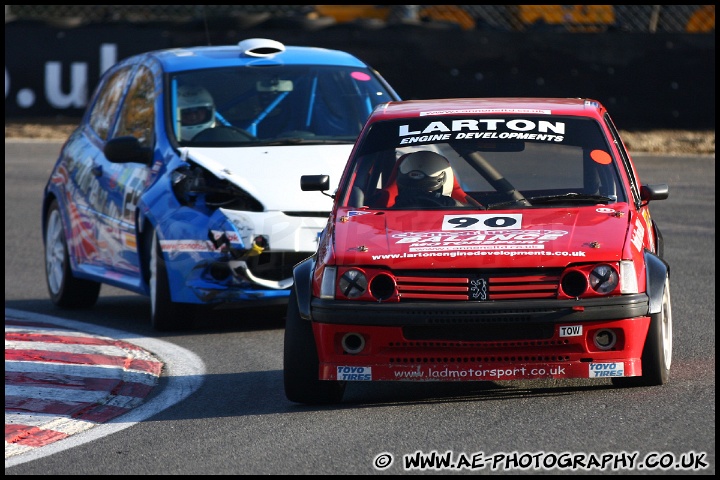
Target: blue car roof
193	58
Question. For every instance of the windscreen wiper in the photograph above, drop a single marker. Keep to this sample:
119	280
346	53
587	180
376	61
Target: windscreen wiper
564	197
572	197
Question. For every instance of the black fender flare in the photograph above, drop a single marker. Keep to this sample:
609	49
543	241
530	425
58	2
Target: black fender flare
656	269
302	283
659	242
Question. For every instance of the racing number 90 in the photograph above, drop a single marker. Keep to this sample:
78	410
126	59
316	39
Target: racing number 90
489	222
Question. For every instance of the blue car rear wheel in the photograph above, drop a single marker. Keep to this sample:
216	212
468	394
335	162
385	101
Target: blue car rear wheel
65	289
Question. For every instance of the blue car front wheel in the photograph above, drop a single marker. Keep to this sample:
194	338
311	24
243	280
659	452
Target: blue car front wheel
165	315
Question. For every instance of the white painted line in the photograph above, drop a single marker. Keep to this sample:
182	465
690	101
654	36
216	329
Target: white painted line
87	371
109	350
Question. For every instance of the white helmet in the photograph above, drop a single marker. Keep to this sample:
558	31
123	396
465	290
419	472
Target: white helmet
425	171
196	111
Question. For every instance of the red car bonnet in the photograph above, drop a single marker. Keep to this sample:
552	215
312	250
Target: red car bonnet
407	239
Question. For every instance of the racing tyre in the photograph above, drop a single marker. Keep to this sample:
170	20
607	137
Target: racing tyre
657	352
165	315
65	289
300	363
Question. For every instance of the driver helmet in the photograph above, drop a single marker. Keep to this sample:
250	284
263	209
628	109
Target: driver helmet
196	110
425	171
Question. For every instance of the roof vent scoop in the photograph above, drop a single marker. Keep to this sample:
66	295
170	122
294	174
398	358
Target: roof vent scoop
261	47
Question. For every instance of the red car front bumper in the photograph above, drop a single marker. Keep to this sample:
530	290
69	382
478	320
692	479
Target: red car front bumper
378	353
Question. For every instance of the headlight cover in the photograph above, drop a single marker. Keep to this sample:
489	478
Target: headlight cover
603	278
353	283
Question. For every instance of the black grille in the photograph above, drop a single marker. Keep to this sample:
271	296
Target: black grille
479	333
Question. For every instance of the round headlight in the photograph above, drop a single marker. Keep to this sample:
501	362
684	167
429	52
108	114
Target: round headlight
353	283
603	279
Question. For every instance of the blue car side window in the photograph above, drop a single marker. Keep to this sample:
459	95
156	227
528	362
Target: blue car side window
138	113
108	98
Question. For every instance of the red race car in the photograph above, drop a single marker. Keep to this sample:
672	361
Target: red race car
483	239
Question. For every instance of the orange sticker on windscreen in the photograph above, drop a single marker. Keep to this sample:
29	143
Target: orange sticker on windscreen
601	156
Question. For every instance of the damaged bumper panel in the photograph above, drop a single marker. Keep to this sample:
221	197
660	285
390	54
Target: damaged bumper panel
231	281
235	242
283	232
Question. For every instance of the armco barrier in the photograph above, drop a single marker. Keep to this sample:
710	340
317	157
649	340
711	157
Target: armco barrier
660	80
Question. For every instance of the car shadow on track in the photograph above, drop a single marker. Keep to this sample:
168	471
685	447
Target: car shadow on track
131	313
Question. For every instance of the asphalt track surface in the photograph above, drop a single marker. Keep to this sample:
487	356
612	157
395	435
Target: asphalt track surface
71	381
238	421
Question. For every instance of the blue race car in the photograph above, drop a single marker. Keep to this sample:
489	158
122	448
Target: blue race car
181	182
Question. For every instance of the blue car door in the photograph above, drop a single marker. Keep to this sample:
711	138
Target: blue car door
120	184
